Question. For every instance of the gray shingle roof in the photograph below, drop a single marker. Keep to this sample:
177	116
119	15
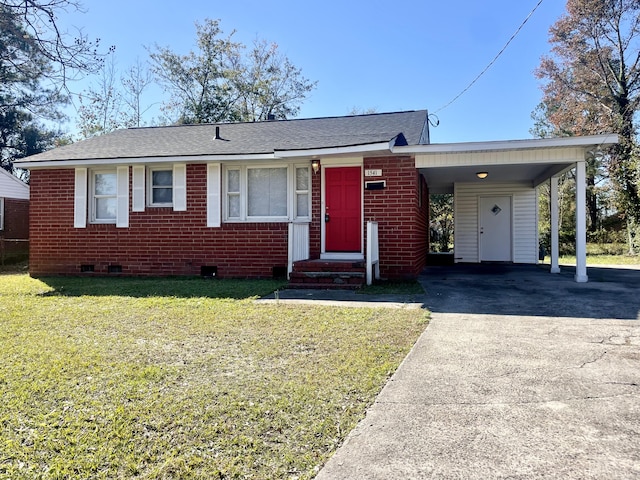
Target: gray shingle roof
246	138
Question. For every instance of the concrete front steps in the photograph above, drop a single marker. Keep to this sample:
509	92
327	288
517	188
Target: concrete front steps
328	274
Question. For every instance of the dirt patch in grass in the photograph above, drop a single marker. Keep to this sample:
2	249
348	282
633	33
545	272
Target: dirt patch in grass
164	380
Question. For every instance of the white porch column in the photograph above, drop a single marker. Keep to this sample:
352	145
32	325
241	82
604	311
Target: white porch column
553	201
581	223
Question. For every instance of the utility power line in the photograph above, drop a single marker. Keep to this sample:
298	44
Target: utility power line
494	59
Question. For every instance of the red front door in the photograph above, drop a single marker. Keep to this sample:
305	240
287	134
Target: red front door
343	209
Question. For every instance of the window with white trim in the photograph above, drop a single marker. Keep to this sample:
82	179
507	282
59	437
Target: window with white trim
303	193
261	193
160	187
104	196
233	194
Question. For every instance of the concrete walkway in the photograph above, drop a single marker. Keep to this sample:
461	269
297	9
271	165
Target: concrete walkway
520	374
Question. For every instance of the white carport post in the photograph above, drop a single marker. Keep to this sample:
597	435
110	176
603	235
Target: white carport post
553	201
581	223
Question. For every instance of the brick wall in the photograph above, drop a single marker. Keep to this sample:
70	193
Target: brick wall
158	241
402	212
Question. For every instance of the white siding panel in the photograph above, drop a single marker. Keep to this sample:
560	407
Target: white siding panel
466	225
525	226
511	157
524	220
12	187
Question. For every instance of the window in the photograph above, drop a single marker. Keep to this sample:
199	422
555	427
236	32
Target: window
104	196
161	187
274	193
233	193
267	192
302	193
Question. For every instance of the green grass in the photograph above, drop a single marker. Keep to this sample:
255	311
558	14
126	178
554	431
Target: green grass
601	254
598	260
183	378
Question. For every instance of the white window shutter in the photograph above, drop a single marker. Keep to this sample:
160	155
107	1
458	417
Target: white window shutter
122	189
80	199
180	187
138	189
213	195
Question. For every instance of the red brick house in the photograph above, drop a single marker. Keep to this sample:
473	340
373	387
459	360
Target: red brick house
252	199
14	216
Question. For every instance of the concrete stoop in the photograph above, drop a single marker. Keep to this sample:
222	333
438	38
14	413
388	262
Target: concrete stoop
328	274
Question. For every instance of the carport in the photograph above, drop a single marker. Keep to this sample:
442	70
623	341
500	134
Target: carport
495	187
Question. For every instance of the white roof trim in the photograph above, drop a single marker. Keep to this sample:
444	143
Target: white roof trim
321	152
143	160
503	145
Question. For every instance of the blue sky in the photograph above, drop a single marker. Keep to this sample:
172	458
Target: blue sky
389	56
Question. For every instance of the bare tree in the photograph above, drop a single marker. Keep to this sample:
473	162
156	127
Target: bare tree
134	83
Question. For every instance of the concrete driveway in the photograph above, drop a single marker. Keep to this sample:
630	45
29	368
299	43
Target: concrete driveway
520	374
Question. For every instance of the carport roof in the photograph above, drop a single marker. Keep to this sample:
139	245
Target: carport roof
529	161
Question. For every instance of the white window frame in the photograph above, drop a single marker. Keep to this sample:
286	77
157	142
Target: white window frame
159	168
292	192
94	197
301	216
1	213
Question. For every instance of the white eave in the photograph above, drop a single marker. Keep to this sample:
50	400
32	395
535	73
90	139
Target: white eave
507	145
277	154
143	160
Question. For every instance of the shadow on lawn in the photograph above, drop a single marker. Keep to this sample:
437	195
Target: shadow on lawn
182	287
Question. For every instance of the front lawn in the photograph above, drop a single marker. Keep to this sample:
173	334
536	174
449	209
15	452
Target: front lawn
183	378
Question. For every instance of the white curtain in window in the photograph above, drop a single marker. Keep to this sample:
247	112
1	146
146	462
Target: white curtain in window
138	202
267	192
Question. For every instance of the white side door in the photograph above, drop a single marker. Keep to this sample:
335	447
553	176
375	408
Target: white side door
495	229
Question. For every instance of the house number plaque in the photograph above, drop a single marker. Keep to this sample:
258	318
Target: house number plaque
373	173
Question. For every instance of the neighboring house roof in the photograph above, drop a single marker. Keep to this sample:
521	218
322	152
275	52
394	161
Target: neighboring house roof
399	128
12	187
